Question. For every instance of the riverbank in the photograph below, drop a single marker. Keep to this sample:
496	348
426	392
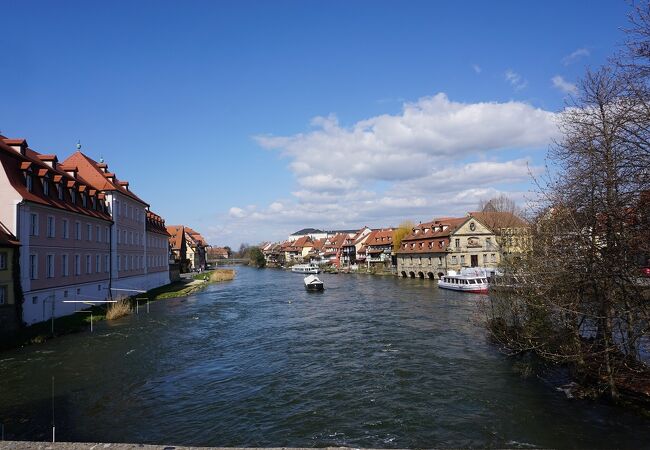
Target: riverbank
83	319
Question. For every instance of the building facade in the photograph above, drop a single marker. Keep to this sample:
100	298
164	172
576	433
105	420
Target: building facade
433	248
10	316
63	225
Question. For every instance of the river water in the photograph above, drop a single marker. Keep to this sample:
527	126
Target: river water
369	362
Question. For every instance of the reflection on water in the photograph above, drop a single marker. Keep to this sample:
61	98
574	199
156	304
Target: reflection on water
370	362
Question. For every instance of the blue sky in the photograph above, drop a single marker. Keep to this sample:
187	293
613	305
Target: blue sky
186	100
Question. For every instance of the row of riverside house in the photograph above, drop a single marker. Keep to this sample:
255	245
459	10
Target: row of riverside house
429	250
70	232
339	248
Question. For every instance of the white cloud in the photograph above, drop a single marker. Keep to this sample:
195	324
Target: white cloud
565	86
477	68
436	157
517	82
236	212
575	56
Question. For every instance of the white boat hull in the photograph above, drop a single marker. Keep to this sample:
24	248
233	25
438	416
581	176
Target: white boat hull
305	269
474	280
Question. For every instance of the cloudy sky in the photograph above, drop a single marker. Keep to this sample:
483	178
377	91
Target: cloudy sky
249	120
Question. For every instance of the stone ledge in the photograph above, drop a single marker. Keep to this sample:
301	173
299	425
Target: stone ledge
29	445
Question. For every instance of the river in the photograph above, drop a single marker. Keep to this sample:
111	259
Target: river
369	362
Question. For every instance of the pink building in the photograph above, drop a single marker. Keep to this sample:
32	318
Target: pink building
130	247
63	225
157	244
84	235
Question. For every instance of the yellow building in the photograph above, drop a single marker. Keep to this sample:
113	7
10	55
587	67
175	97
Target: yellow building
9	248
476	240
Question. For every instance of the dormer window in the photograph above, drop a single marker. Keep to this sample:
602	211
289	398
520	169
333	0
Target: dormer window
59	190
84	200
94	202
46	187
73	196
29	182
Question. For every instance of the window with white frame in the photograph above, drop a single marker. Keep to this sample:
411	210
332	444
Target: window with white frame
50	227
4	294
106	262
77	265
89	232
98	265
66	231
64	265
33	224
77	230
98	234
3	260
89	269
49	266
33	267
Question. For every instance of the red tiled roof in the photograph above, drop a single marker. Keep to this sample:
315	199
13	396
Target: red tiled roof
15	164
7	239
431	237
176	236
380	237
91	170
302	242
156	224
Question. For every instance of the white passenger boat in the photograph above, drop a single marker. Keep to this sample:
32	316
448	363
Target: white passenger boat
313	283
305	268
474	280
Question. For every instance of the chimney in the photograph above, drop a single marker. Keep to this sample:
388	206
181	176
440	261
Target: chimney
19	145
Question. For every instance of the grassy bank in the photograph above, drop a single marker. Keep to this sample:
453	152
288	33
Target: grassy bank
80	321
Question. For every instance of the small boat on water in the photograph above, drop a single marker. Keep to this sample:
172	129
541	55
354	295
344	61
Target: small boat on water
305	268
473	280
313	283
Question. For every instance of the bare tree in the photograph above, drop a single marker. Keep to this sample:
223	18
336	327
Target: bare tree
576	296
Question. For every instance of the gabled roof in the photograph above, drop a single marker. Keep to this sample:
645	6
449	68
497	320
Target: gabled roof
176	236
380	237
302	242
7	239
93	171
496	220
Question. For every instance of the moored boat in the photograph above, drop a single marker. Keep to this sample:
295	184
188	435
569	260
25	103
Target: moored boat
313	283
473	280
305	268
